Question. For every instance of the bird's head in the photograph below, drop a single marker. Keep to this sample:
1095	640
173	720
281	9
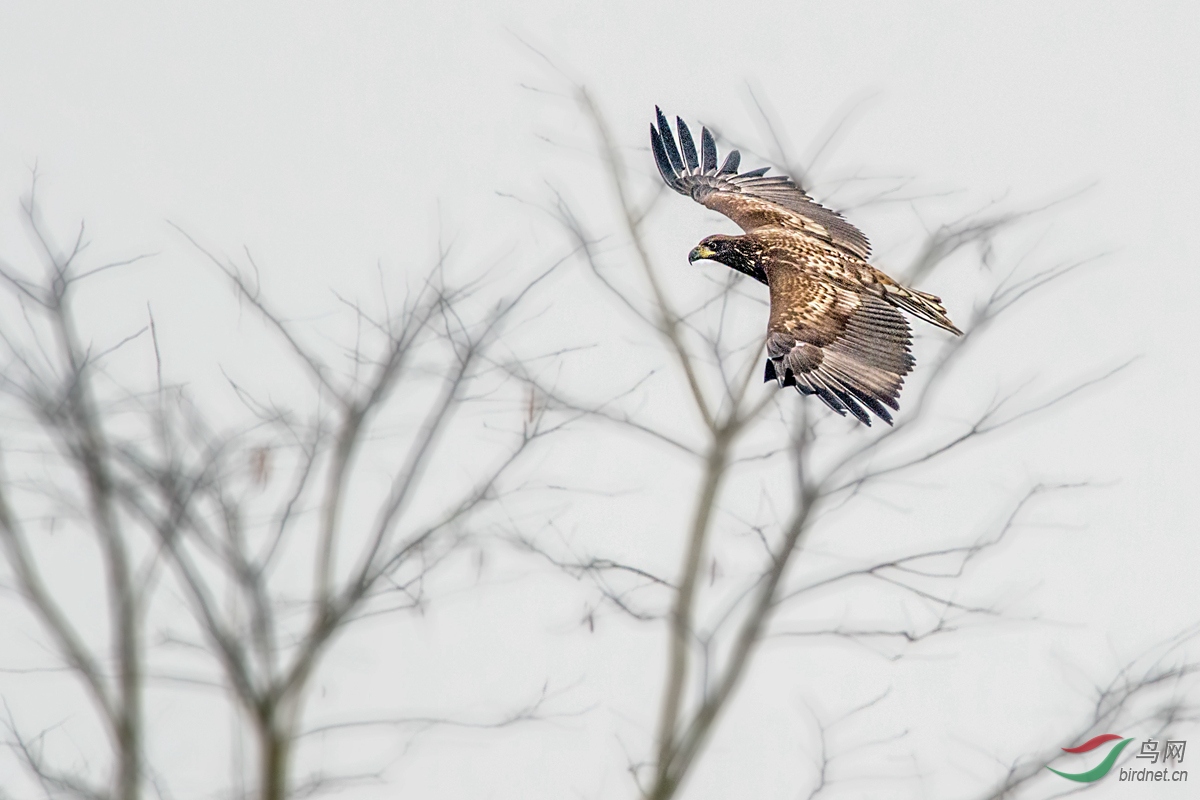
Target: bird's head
736	252
712	248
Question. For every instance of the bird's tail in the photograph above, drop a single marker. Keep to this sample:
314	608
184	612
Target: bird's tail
920	304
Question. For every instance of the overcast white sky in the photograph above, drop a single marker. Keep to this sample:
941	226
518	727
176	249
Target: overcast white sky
329	138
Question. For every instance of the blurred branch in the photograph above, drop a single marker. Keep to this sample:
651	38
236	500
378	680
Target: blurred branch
201	498
53	385
198	511
1150	692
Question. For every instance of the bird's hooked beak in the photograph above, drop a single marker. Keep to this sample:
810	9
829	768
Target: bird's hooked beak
700	252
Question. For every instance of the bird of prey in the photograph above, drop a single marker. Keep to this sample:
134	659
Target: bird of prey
835	327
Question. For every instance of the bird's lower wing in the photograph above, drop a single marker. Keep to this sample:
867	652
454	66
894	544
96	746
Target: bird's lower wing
851	350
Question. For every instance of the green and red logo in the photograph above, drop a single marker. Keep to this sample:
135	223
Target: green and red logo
1100	770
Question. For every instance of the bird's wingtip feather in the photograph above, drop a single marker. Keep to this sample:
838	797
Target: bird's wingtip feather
662	159
668	141
685	142
708	152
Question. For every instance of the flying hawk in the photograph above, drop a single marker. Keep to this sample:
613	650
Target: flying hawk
835	328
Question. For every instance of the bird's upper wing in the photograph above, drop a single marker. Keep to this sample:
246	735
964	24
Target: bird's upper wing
848	347
751	199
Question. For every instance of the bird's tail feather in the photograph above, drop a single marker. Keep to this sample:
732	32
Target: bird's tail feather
920	304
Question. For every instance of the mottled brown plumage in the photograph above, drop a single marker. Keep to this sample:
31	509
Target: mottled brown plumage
835	328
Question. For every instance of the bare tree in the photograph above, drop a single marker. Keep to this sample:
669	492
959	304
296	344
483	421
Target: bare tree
55	381
272	569
729	432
